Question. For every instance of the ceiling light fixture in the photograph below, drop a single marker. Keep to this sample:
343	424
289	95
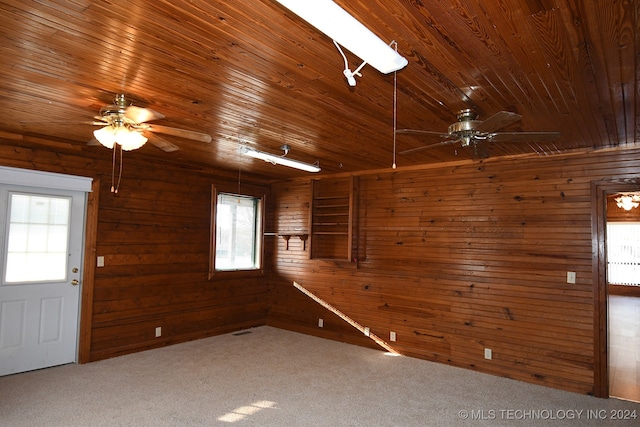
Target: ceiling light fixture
115	134
348	32
279	160
128	139
628	201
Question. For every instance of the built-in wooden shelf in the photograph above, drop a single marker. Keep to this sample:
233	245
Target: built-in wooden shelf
331	219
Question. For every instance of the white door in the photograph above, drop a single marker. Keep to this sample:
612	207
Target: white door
41	239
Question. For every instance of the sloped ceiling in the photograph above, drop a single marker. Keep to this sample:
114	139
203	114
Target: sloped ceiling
251	72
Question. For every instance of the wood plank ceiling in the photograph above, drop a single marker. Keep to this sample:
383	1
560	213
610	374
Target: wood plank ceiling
250	71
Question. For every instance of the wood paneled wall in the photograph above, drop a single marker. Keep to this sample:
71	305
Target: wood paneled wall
154	237
454	259
459	258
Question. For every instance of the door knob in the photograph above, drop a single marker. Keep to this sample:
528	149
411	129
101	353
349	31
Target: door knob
75	282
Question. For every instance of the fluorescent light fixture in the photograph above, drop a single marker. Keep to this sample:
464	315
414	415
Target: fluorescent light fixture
347	31
278	160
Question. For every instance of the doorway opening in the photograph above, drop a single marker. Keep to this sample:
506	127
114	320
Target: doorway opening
623	302
616	232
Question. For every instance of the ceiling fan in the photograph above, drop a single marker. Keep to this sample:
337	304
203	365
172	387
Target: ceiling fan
127	126
470	131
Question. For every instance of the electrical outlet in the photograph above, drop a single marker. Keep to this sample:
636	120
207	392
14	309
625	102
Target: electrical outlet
320	323
392	336
487	354
158	331
100	261
366	331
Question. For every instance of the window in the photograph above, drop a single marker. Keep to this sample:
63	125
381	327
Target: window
238	231
38	238
623	253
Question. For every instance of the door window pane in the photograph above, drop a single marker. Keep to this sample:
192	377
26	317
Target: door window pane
38	237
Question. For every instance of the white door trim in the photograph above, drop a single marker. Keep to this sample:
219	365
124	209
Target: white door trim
34	178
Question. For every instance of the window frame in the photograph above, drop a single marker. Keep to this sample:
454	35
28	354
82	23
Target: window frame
259	271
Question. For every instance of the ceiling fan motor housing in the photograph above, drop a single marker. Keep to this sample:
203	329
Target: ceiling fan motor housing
465	127
115	114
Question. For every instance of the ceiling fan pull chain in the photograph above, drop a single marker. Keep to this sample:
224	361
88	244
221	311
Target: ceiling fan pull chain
116	186
120	171
113	168
395	107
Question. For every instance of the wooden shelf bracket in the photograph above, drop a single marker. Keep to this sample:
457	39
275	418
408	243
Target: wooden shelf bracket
302	237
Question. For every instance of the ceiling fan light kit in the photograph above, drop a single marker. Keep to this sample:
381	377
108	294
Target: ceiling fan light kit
127	138
347	31
278	160
628	201
125	125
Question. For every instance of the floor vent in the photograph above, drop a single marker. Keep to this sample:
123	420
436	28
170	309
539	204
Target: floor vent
237	334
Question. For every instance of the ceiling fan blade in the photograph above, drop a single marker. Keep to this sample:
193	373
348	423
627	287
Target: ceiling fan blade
183	133
421	132
65	122
161	143
523	136
424	147
498	121
141	115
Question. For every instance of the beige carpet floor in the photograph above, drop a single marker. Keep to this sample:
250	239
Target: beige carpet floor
272	377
